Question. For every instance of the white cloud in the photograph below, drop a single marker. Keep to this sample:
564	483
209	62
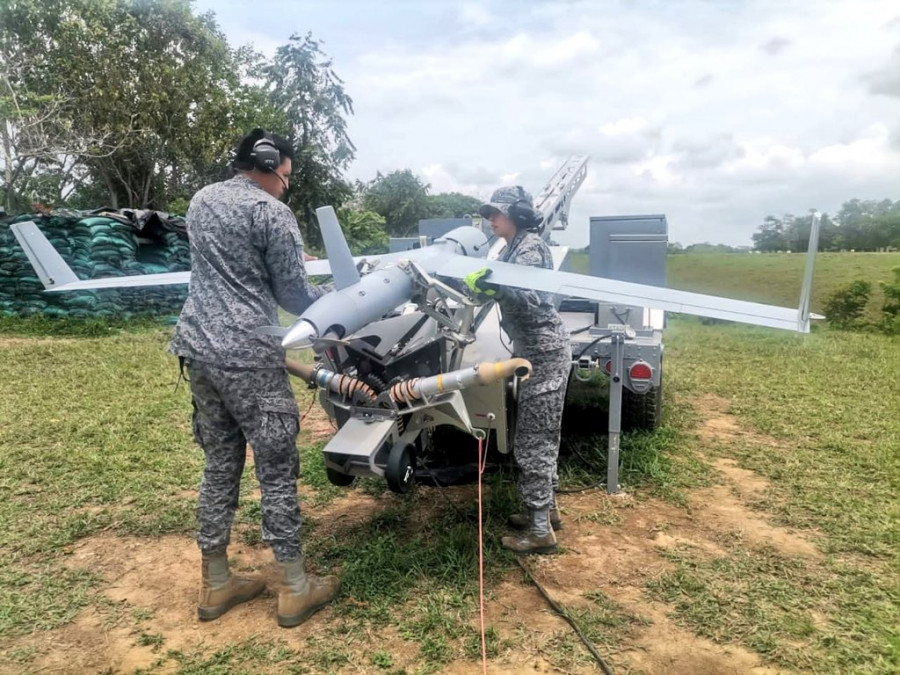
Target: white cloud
868	156
713	113
472	14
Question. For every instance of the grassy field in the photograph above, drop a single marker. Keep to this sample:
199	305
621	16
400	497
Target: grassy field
98	458
774	278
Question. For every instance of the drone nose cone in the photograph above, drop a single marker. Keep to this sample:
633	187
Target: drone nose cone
300	335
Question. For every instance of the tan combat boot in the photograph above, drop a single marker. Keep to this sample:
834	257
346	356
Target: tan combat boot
220	590
302	595
538	539
522	521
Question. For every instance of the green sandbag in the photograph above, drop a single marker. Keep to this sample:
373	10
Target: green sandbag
112	259
105	270
105	239
86	301
96	220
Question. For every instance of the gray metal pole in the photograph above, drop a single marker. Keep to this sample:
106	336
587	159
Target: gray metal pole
615	413
806	290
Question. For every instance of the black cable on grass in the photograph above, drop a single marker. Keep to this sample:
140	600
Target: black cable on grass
459	513
592	486
421	463
312	401
559	610
599	484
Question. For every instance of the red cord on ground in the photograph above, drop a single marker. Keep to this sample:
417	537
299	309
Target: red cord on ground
482	462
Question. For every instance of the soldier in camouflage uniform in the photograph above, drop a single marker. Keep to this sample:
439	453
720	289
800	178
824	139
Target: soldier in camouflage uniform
246	261
539	335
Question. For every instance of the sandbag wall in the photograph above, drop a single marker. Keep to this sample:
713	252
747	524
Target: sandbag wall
96	246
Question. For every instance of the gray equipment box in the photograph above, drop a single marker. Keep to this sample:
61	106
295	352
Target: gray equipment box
398	244
630	248
435	228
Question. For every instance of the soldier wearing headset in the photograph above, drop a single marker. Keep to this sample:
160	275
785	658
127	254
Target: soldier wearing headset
246	261
539	335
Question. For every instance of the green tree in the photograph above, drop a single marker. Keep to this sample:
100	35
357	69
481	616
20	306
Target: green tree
452	205
158	80
401	198
867	225
303	87
891	308
364	231
797	231
884	229
771	235
845	307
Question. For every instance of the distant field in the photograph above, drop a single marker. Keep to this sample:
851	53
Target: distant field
774	278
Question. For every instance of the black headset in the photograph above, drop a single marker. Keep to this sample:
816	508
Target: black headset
265	156
523	215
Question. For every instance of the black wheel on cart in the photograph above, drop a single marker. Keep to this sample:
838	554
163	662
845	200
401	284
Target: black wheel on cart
642	412
339	478
400	471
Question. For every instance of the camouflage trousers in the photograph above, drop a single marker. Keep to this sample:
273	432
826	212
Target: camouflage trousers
538	424
234	407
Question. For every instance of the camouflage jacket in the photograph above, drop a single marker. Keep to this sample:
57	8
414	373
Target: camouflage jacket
246	260
530	317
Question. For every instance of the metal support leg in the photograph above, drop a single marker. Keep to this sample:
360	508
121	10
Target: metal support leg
615	413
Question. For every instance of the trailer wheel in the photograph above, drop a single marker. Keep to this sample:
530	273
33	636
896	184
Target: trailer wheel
642	412
338	478
400	471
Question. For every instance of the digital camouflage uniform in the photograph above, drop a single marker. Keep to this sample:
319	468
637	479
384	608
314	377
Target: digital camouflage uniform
539	335
246	260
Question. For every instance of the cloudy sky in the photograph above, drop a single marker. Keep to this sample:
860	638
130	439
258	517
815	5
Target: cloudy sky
714	112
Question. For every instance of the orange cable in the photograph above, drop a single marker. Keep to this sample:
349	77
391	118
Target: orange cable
482	463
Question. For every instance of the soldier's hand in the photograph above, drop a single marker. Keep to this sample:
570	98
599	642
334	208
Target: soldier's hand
478	284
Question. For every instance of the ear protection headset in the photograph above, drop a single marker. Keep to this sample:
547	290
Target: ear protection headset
265	156
523	215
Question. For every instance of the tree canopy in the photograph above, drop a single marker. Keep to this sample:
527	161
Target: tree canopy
860	225
402	199
303	87
139	103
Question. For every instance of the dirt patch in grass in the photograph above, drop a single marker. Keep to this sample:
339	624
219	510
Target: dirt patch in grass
725	505
747	483
344	513
149	595
723	511
719	426
666	648
620	561
148	605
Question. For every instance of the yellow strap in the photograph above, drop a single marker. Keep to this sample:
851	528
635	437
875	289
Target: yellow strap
440	382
